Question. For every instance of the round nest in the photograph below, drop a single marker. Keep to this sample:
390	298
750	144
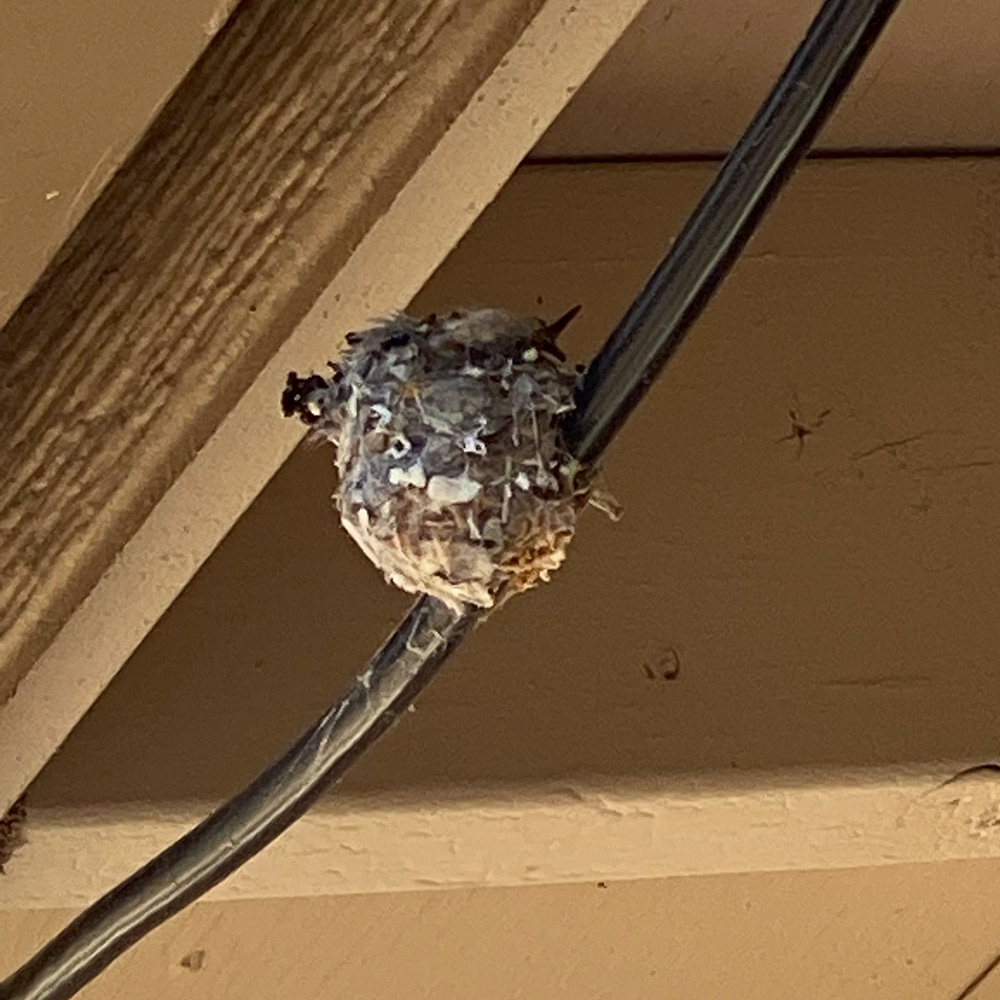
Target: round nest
454	478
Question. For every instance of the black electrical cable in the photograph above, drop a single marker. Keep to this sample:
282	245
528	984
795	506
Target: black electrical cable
816	77
248	822
711	240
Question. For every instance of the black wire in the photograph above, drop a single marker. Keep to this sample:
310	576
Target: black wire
247	823
818	74
979	978
708	245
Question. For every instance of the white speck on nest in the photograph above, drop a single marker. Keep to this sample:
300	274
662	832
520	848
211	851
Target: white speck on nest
452	489
436	422
413	476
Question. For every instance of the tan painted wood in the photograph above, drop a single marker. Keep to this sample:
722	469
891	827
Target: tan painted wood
342	151
911	932
569	833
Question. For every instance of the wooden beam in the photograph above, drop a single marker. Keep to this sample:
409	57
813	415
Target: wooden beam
311	171
694	825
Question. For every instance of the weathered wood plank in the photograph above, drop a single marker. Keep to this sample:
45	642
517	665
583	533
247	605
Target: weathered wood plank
341	149
284	144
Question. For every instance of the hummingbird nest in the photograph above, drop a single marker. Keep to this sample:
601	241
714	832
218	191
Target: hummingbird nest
454	477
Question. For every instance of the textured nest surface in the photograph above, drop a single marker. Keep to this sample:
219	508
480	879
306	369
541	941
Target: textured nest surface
454	479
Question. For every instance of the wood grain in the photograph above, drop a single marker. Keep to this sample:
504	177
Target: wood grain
286	142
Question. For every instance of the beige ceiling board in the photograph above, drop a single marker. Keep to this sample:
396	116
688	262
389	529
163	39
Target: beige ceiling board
912	932
687	76
793	630
309	173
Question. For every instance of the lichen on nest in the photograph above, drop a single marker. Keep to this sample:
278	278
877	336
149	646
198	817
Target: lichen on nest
454	476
